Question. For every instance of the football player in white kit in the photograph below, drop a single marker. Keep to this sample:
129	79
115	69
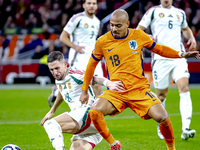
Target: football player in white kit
77	122
167	23
80	34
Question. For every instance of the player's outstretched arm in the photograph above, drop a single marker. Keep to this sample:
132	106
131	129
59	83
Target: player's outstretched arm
50	114
190	54
112	85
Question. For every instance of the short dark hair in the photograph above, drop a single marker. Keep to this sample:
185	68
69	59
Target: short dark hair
83	1
55	55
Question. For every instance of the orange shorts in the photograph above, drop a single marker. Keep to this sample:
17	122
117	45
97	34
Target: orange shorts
139	100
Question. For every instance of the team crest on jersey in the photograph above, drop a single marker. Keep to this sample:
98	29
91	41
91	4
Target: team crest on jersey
177	16
161	15
86	25
133	45
97	27
60	87
69	85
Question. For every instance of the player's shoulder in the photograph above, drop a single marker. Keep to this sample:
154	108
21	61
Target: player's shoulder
135	31
96	18
77	16
178	9
151	9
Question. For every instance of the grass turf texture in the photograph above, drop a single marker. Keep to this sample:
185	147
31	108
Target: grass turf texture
21	111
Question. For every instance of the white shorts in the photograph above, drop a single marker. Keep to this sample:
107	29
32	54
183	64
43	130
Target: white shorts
164	69
80	61
87	130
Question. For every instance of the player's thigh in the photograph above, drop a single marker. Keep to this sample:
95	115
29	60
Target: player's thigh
80	145
161	73
158	113
103	105
180	74
67	123
141	100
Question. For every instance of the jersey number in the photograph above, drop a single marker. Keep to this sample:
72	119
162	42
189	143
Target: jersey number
115	60
170	25
92	35
67	97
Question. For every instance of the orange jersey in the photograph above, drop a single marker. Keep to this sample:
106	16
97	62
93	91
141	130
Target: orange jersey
124	58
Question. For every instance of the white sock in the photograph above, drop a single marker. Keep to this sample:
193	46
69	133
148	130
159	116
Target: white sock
164	102
54	132
185	109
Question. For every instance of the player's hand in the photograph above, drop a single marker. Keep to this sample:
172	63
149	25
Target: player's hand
192	44
84	97
80	49
115	85
191	54
151	36
48	116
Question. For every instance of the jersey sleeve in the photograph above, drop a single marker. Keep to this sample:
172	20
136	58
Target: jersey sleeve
147	18
184	24
165	51
72	24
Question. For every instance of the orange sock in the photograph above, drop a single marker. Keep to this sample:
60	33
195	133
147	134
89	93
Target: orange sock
167	131
97	119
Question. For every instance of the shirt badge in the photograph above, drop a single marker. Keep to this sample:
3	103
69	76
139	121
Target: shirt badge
133	45
161	15
69	85
86	25
177	16
60	87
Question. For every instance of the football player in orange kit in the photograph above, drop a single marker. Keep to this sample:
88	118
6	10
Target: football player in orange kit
121	48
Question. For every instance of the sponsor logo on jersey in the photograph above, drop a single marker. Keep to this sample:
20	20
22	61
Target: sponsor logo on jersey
177	16
92	26
170	16
60	87
110	49
86	25
161	15
133	45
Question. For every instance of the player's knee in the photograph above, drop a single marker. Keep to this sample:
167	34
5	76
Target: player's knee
161	97
183	89
161	118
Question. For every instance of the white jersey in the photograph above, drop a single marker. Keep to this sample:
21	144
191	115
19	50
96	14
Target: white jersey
83	31
71	87
166	25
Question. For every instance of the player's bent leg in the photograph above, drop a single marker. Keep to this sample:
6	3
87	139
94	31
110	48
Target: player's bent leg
54	132
97	89
67	123
159	114
81	145
97	112
161	93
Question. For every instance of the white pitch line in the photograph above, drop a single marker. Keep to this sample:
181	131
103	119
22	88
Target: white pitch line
107	118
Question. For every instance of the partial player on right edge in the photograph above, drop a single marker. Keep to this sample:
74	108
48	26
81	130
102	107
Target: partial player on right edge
167	23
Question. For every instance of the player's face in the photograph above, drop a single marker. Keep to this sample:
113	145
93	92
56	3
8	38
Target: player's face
118	27
58	69
166	3
90	6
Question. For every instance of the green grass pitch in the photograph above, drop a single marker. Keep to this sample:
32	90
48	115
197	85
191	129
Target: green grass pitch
21	111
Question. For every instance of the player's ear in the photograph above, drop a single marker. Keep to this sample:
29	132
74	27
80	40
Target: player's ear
128	23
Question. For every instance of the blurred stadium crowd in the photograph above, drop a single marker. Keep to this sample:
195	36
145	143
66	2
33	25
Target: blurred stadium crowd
31	28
